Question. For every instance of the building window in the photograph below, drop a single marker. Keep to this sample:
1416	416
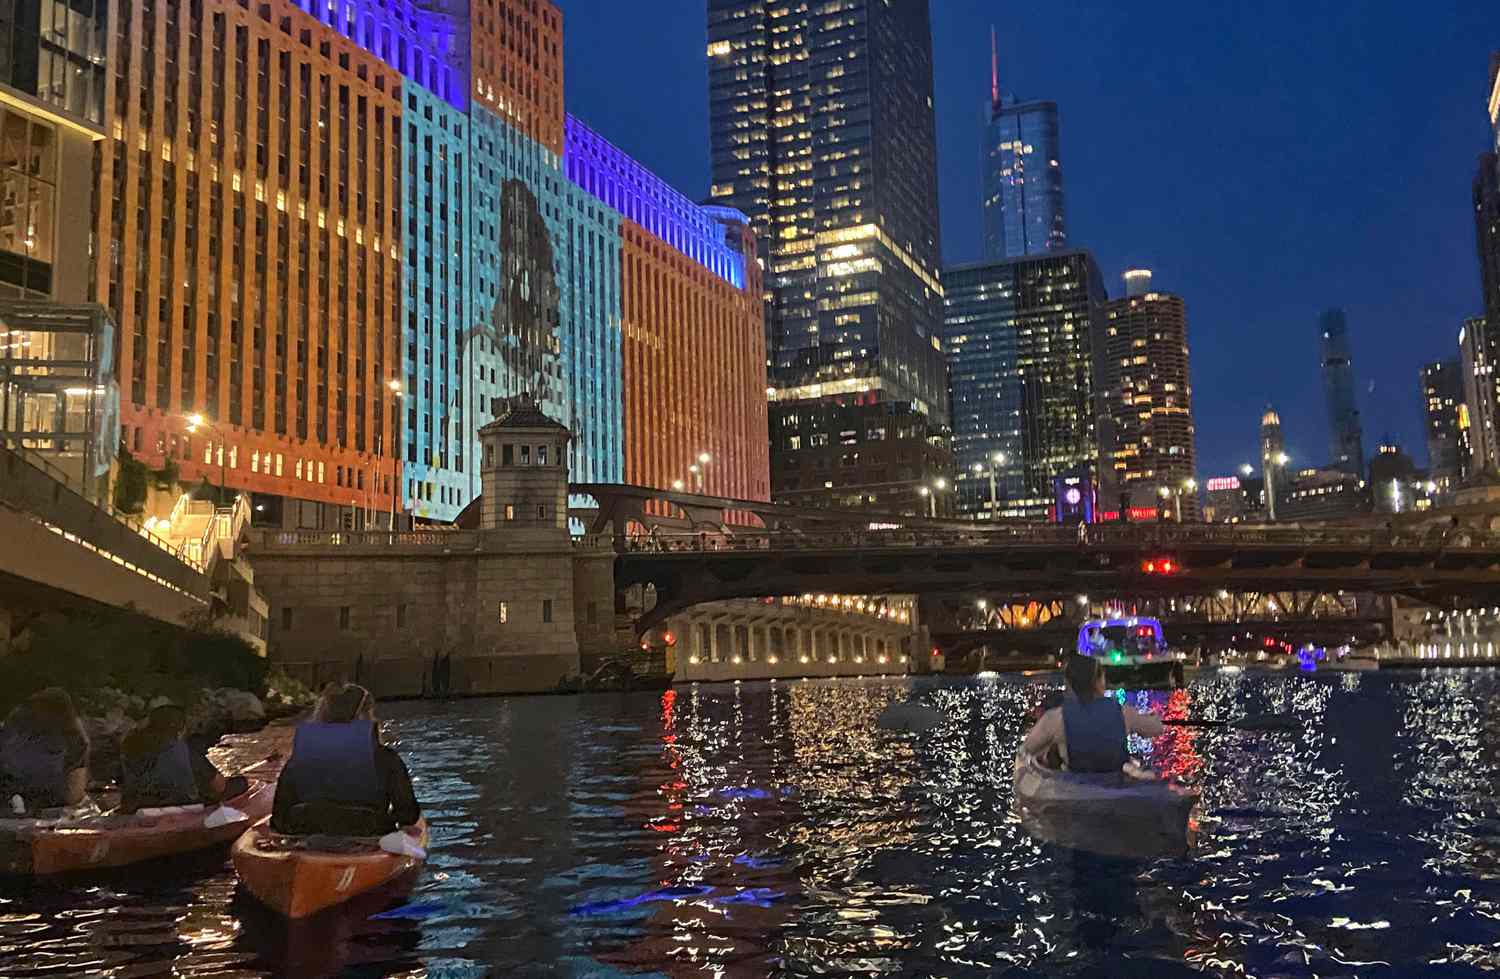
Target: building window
541	512
525	455
504	613
508	455
343	617
510	511
401	616
593	612
286	619
546	610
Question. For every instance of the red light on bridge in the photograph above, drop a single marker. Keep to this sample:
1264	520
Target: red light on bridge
1160	565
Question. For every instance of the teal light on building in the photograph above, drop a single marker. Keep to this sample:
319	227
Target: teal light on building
440	468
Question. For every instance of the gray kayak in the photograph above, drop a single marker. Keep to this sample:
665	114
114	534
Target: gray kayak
1110	814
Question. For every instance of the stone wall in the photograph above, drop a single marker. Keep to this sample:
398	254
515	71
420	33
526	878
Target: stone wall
376	607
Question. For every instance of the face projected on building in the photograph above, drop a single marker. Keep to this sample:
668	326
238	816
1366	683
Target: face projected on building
525	316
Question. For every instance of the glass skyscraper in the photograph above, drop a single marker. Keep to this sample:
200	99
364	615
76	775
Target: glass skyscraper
1020	335
1443	406
1023	192
1345	437
823	135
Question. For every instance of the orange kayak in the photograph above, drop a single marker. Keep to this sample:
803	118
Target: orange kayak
57	846
298	876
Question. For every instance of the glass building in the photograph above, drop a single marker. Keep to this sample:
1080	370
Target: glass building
1443	402
1345	437
1147	440
58	396
822	134
52	75
1023	191
1020	336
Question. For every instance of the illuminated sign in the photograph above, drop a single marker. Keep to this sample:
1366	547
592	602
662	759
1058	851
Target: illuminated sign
1221	483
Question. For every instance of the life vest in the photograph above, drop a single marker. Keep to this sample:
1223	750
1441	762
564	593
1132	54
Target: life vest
161	779
335	763
1095	733
34	766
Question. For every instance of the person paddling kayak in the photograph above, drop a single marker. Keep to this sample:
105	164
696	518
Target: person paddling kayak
158	768
1088	730
340	779
44	754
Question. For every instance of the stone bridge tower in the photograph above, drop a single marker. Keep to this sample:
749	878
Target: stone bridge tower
524	470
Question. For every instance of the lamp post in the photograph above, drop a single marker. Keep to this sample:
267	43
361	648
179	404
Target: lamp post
926	494
698	469
995	459
197	421
1273	465
1190	485
396	394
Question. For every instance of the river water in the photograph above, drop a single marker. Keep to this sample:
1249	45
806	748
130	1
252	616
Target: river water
772	829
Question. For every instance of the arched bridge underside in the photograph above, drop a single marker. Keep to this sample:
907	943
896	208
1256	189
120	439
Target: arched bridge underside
1048	563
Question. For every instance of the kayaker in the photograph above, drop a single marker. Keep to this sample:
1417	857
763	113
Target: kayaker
340	779
1088	730
159	768
44	754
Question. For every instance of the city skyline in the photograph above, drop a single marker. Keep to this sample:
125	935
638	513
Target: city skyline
1401	262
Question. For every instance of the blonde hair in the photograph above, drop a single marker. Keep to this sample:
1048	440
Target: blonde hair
341	703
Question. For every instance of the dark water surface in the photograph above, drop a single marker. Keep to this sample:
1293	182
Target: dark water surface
771	829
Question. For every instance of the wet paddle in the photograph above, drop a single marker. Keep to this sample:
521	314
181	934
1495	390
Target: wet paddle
1255	722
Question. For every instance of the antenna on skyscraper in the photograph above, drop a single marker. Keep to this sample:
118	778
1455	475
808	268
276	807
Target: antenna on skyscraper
994	69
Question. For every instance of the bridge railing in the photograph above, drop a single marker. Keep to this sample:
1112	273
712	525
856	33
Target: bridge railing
443	540
1143	536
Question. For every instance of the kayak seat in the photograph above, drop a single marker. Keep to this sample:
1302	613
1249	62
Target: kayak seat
316	843
335	819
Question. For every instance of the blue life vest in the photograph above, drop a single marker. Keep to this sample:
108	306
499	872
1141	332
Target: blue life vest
35	766
336	763
1095	733
163	779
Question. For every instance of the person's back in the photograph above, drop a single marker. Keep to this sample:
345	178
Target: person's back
158	768
44	753
1095	734
340	779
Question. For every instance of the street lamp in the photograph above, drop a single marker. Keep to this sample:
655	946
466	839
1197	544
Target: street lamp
677	485
1247	470
196	421
397	392
1189	485
994	459
926	494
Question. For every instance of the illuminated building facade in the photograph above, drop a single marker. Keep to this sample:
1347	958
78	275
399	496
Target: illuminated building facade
380	237
692	343
1442	401
1147	444
1323	493
1476	421
822	134
1019	336
253	249
1022	168
1345	437
1273	460
53	67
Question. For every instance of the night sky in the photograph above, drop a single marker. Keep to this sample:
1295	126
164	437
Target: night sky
1265	159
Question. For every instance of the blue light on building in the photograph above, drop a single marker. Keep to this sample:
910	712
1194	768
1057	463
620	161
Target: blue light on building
427	41
611	175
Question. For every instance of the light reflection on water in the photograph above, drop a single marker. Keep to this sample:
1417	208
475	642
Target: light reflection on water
772	829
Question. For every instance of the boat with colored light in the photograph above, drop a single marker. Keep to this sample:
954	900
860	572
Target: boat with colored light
1134	652
1114	814
40	846
299	876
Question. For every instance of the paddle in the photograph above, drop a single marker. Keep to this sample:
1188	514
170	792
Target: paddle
1256	722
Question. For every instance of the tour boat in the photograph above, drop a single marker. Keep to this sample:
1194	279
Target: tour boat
1114	814
298	876
39	846
1134	652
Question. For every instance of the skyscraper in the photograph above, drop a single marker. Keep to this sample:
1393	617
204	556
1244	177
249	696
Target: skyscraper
1477	423
1022	167
1020	336
1442	400
1345	438
341	231
822	133
1273	459
1147	437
